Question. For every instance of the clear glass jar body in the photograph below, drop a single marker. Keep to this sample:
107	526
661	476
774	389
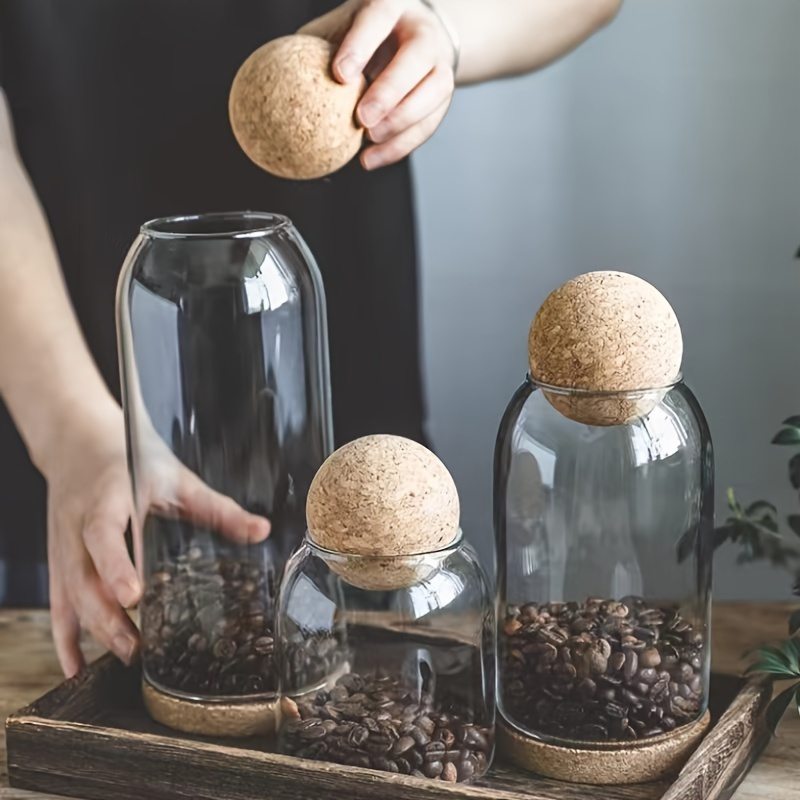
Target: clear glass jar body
399	679
224	363
604	542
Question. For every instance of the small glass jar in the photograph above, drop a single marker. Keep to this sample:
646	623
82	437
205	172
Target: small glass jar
604	542
224	362
400	678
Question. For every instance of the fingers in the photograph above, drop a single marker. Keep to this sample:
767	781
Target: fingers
414	61
371	26
198	503
66	635
397	148
102	616
104	537
435	89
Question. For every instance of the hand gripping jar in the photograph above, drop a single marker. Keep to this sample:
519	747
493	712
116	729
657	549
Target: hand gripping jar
224	362
386	623
603	493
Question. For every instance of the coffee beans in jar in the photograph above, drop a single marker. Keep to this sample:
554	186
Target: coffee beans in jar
379	722
601	670
207	626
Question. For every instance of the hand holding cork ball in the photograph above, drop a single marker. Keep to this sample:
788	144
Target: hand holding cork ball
301	107
288	113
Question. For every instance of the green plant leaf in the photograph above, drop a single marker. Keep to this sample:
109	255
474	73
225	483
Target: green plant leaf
794	471
777	708
794	523
760	507
791	649
794	421
787	436
768	525
772	662
794	622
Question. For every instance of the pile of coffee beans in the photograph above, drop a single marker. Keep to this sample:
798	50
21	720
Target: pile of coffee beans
380	723
207	626
600	670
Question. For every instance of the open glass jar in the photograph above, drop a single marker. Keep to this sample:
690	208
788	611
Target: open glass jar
224	362
604	541
394	674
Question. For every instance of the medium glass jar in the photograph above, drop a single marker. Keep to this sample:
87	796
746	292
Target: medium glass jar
224	363
399	678
604	542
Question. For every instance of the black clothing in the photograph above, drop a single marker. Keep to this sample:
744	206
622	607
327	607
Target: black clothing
120	111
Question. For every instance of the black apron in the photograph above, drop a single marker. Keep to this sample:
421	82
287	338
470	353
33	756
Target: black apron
120	111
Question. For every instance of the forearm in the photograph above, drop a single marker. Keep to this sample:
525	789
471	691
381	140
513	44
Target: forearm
501	38
47	375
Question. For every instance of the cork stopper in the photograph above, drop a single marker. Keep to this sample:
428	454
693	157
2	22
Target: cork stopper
288	113
609	344
384	504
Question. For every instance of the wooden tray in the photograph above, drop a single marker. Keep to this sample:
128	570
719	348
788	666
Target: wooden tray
91	738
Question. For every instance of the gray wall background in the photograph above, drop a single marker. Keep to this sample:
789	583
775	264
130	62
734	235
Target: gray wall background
669	147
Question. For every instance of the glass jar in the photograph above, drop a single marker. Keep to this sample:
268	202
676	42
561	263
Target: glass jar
224	363
604	542
399	679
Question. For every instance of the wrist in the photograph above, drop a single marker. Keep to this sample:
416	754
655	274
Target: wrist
448	28
68	421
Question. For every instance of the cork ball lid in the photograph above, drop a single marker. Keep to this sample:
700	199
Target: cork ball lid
606	333
288	113
383	495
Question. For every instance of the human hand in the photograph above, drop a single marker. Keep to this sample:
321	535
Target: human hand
404	50
92	578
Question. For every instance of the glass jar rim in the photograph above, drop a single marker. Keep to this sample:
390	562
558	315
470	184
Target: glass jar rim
335	554
620	393
216	225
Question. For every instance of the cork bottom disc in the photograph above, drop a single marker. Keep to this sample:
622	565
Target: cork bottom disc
243	719
604	764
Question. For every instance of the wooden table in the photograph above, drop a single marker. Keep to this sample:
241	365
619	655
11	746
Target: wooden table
28	668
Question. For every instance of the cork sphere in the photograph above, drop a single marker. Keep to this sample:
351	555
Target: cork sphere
612	337
383	496
288	113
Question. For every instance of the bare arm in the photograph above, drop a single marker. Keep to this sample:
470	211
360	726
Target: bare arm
407	51
500	38
46	372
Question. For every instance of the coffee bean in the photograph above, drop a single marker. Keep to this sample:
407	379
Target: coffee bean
450	773
384	764
617	661
445	736
631	664
358	737
466	769
432	769
650	657
434	751
402	745
648	676
403	767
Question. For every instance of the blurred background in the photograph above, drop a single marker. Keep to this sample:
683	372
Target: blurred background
667	146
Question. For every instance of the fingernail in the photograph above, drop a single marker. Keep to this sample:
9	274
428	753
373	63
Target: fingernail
371	161
123	648
370	114
349	68
128	593
259	529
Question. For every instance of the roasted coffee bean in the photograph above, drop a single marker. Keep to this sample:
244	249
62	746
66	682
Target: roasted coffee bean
650	657
403	767
445	736
432	769
617	661
631	664
434	751
450	773
648	676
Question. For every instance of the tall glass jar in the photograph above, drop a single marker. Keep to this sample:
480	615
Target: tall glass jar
224	363
604	542
394	673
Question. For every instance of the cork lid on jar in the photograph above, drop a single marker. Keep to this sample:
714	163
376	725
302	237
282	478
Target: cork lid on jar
608	345
387	502
288	113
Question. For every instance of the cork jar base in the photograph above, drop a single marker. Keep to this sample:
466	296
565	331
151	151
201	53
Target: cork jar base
604	763
239	720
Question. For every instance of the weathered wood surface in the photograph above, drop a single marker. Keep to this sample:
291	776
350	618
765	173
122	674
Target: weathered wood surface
28	667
